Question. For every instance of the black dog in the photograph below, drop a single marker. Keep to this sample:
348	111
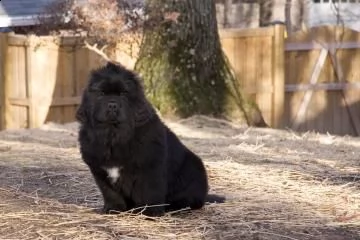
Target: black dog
135	159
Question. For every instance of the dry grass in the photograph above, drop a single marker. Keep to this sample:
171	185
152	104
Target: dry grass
278	184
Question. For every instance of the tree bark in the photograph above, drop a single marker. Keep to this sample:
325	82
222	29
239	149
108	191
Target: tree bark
227	13
266	12
184	69
287	14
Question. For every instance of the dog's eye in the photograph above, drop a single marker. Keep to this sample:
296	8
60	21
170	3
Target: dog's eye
97	93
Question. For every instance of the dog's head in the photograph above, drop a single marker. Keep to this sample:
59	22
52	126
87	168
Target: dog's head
114	97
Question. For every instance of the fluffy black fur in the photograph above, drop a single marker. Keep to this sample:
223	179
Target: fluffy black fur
119	128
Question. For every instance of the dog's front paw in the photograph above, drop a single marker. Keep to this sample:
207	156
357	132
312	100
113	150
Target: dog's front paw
113	209
153	211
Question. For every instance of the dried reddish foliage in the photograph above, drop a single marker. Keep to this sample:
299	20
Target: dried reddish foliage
108	22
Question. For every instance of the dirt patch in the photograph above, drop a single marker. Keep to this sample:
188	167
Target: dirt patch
278	184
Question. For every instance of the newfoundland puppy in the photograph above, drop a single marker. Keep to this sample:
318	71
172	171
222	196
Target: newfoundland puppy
137	162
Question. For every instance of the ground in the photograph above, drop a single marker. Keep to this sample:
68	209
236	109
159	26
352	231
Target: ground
279	185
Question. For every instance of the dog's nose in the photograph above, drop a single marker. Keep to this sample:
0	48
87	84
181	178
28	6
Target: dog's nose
113	107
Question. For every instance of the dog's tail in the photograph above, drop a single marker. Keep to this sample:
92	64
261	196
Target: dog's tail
214	198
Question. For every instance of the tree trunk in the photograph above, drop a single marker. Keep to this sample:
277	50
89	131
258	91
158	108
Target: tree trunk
266	12
227	13
183	66
287	13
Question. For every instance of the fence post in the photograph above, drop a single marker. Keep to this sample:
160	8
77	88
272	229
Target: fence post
3	72
278	69
29	51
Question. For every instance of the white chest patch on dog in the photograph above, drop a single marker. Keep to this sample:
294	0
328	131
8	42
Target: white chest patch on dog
113	174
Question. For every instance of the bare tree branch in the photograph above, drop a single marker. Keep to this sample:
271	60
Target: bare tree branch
98	51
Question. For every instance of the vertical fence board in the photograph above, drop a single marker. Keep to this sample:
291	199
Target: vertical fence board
239	61
265	79
21	88
81	74
336	114
43	84
3	53
278	77
15	87
228	46
56	113
67	58
249	71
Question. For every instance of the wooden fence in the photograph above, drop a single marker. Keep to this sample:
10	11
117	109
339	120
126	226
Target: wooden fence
42	79
256	56
309	81
323	81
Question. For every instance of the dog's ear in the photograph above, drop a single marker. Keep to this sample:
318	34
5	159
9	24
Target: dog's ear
81	113
143	112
